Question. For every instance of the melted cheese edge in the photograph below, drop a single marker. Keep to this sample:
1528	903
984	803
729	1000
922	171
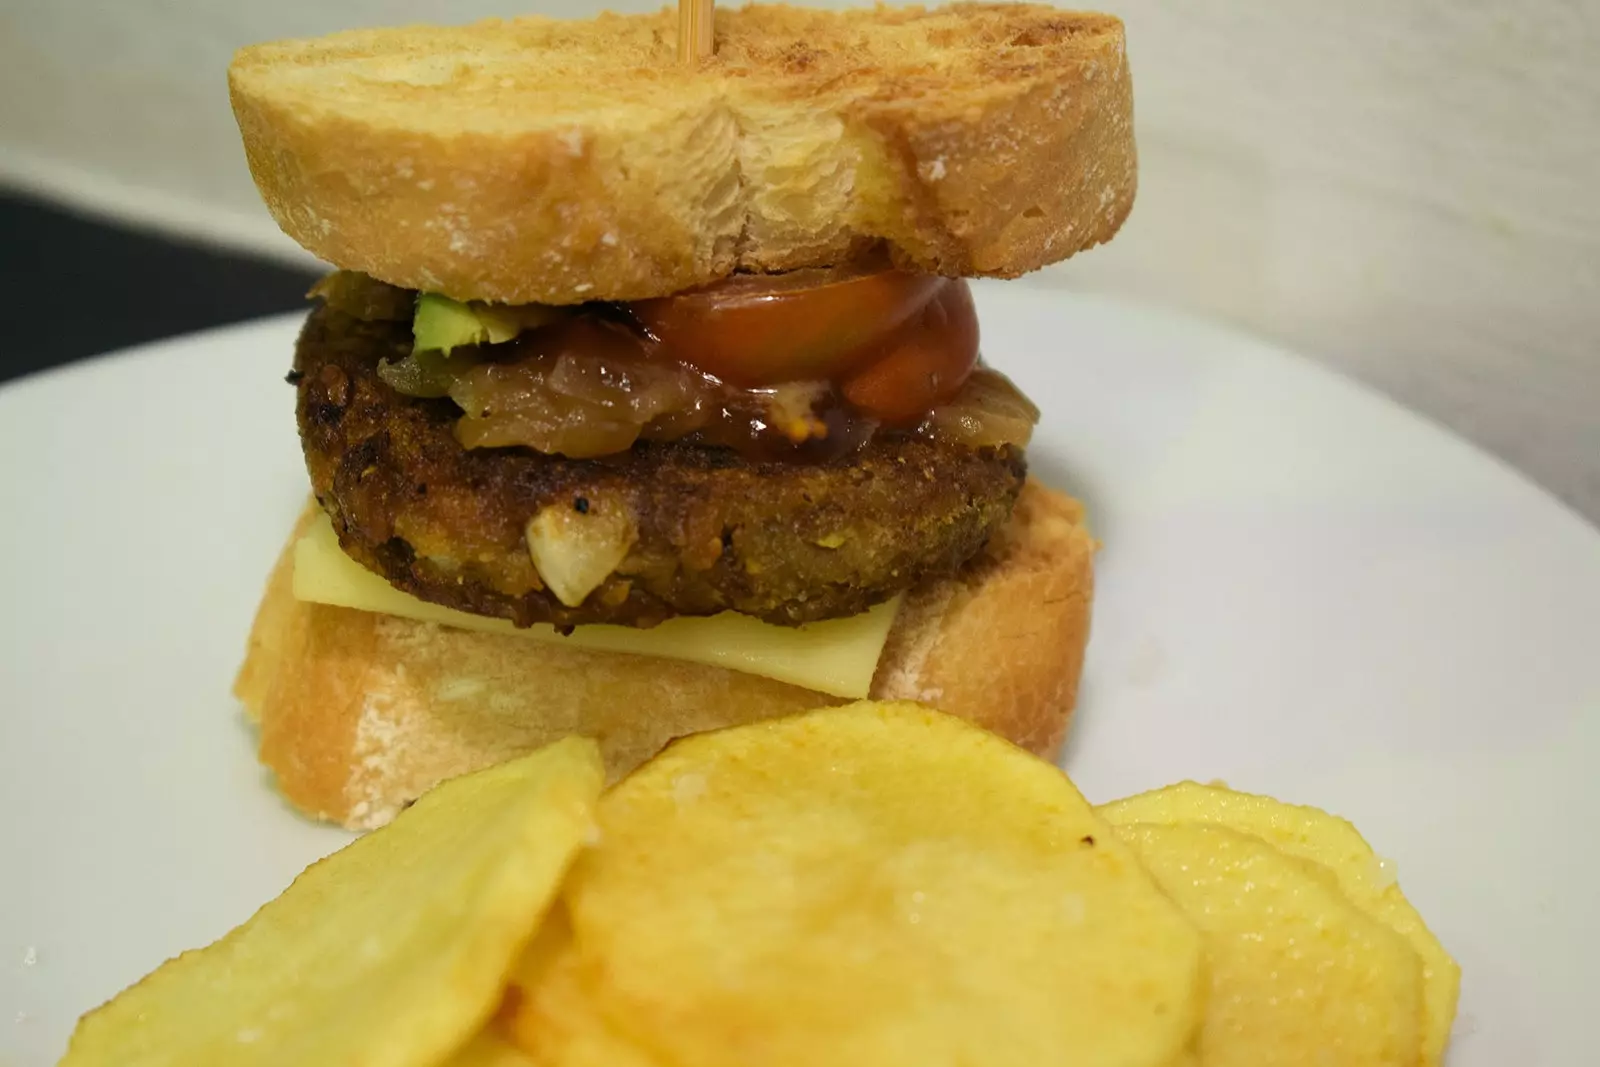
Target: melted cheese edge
837	657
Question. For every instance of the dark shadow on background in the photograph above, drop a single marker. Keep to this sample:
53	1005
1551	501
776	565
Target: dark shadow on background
76	287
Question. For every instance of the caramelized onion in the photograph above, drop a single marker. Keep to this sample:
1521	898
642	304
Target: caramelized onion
807	365
585	389
427	374
988	412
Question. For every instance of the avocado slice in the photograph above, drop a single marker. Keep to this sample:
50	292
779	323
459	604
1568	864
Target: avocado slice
441	324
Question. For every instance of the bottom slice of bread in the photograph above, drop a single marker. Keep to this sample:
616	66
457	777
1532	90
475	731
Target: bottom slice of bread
359	714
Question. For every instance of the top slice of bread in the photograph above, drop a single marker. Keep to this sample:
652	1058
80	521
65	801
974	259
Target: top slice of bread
538	160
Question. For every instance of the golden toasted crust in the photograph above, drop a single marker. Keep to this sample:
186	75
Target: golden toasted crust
1003	645
360	713
562	161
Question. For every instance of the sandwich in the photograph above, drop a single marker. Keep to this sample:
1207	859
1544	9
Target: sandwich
646	397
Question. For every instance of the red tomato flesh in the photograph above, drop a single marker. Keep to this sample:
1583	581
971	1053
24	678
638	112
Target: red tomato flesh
924	364
807	325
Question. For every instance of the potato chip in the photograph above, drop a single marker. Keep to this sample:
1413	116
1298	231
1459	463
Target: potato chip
489	1049
566	1029
1297	973
560	1024
391	952
1312	834
874	884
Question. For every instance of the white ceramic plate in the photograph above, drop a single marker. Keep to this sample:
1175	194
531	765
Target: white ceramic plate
1304	590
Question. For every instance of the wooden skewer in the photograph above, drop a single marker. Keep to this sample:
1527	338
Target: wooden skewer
694	30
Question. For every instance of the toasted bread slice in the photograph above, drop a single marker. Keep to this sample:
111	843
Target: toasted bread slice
563	161
360	713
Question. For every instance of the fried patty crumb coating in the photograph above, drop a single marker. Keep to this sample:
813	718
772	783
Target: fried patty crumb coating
681	529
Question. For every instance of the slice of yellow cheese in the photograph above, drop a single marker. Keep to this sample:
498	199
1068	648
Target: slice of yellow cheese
837	657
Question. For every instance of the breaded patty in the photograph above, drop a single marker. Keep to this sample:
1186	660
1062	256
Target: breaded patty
705	530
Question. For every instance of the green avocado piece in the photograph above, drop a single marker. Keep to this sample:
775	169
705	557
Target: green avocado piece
441	324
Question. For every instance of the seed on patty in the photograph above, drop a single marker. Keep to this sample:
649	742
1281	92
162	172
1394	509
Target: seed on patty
788	542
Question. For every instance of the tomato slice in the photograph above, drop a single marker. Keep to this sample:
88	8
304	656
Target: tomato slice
806	325
924	364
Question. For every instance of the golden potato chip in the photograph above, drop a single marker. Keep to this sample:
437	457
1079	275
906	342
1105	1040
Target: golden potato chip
565	1029
391	952
1312	834
1297	973
553	1018
874	884
489	1049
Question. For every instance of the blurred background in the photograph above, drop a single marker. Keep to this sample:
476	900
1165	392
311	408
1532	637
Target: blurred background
1407	192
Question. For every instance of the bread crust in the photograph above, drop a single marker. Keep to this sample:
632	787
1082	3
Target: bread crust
359	714
536	160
